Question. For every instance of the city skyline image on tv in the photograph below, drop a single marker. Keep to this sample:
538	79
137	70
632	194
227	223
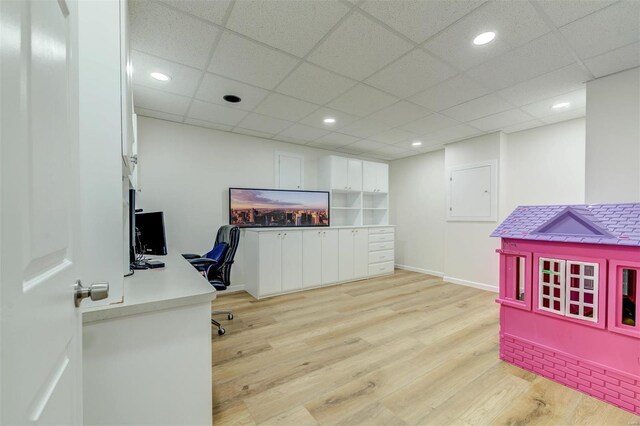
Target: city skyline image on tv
250	207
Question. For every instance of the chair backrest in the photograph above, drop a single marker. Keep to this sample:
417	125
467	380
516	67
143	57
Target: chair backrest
231	235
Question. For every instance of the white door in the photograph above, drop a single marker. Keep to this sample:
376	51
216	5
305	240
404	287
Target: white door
41	340
355	175
311	258
289	171
329	256
361	253
345	251
291	260
339	173
270	262
369	172
382	177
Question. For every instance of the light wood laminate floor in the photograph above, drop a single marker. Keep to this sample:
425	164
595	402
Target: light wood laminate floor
402	349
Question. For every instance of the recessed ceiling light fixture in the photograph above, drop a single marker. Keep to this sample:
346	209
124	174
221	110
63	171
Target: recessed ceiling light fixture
484	38
160	76
416	143
232	98
329	120
561	105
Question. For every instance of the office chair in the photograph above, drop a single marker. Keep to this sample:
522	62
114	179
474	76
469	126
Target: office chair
216	264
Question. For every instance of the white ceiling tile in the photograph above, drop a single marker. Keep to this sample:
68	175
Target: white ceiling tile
403	154
202	123
290	140
354	151
515	23
430	124
565	11
362	100
616	60
314	84
285	107
303	133
164	32
253	133
452	92
333	140
293	26
523	126
316	119
564	116
247	61
157	114
400	113
539	57
411	74
365	146
212	11
450	134
500	120
358	47
392	136
477	108
564	80
184	80
604	30
213	88
213	113
544	108
390	150
157	100
419	19
364	128
263	123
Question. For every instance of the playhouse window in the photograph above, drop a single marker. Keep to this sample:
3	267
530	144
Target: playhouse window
629	292
569	288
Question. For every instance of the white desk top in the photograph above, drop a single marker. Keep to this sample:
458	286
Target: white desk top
148	290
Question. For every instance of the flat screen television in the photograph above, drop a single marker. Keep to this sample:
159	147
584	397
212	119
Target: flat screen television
251	207
151	238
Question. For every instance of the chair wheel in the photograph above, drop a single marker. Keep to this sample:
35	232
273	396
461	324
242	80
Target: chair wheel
230	316
221	331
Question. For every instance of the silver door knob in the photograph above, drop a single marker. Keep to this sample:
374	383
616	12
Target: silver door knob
96	291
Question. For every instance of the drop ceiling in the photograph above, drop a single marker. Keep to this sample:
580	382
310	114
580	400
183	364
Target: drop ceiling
390	72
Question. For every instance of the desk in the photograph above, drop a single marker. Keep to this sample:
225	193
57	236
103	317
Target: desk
147	360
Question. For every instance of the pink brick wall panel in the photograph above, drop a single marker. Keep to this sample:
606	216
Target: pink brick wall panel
591	391
579	369
620	377
619	403
606	378
635	388
632	401
555	372
591	367
596	381
623	391
605	390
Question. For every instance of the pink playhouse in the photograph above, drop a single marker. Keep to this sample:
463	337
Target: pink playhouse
569	297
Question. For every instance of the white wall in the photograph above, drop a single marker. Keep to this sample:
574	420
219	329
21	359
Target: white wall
546	165
613	138
417	193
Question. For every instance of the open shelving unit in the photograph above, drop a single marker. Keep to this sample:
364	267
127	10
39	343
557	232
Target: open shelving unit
346	208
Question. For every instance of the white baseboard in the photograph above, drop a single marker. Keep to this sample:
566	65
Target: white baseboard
422	271
473	284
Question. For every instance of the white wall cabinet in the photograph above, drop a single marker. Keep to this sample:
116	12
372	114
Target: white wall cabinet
341	173
375	177
319	257
353	251
289	170
287	260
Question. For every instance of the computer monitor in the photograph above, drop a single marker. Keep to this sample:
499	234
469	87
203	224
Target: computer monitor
151	238
132	225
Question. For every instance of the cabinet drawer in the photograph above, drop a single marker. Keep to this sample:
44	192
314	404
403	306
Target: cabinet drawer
379	238
381	230
387	245
381	268
381	256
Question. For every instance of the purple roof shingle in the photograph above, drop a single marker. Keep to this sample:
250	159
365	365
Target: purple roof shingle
612	224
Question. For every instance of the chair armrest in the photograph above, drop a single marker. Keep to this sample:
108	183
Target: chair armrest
190	256
202	261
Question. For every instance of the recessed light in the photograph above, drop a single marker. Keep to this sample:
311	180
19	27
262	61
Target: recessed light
160	76
484	38
416	143
561	105
232	98
329	120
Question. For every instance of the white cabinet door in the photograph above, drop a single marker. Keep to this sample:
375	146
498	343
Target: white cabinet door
382	177
311	258
270	262
290	171
354	175
361	253
339	173
329	256
291	260
369	176
345	252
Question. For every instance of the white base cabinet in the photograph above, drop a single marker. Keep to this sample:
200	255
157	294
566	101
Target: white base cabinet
283	261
